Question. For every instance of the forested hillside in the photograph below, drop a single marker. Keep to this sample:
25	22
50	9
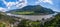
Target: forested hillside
35	9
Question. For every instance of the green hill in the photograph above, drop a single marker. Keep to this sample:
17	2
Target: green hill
30	10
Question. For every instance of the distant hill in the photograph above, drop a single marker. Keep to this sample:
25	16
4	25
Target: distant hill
35	8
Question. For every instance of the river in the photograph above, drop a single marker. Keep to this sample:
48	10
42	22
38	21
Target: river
33	17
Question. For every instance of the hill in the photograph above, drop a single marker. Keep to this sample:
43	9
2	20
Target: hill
36	9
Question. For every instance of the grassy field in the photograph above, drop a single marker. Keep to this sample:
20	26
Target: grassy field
23	13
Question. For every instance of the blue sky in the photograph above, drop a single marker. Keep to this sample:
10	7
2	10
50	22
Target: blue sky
53	4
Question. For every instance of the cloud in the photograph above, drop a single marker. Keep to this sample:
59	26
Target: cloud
17	4
45	1
3	9
48	1
22	3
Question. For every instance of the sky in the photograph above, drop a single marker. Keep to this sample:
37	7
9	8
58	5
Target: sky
6	5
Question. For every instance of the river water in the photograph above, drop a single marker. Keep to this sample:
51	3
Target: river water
33	17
